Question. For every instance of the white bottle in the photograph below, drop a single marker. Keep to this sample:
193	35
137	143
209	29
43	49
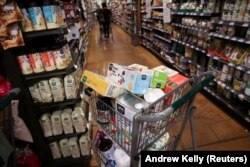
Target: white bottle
67	121
79	120
56	122
46	124
84	145
55	150
74	148
64	146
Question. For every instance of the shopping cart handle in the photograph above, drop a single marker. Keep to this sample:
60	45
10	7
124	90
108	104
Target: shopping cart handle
7	99
192	92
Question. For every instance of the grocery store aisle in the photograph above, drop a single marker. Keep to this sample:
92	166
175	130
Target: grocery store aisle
215	130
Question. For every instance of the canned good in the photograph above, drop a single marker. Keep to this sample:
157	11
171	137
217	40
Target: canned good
24	64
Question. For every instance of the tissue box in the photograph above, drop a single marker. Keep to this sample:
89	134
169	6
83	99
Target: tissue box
128	105
175	81
134	81
101	85
138	67
159	79
170	72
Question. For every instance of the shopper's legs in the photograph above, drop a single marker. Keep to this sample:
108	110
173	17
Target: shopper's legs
105	29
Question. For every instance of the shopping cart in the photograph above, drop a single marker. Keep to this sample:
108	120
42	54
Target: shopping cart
167	116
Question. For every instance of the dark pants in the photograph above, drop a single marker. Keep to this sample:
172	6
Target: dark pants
106	28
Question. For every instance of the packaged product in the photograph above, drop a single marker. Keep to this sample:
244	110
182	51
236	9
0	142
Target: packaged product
14	38
60	59
159	79
24	64
56	122
45	91
247	16
48	60
236	56
57	89
36	62
138	67
160	143
101	85
50	15
84	143
26	23
64	146
10	13
46	124
79	120
60	19
227	51
36	16
246	60
35	93
170	72
74	147
70	87
67	52
67	121
55	150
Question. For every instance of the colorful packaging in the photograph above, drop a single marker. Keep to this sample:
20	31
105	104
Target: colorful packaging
36	62
48	60
50	14
159	79
10	13
101	85
175	81
24	64
60	59
36	17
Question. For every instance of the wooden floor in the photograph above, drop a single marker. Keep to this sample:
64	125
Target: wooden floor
215	130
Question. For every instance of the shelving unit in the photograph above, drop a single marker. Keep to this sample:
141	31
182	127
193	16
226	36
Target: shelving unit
168	43
31	111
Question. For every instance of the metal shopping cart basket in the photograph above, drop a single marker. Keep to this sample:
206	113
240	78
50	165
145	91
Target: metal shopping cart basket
165	117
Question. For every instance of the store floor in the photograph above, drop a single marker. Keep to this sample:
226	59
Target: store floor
215	130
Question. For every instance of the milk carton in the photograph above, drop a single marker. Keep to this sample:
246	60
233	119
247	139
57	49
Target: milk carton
170	72
159	79
138	67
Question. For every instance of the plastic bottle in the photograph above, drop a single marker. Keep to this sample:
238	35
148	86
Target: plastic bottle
67	121
64	146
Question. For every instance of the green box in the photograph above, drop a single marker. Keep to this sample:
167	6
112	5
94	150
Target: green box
159	79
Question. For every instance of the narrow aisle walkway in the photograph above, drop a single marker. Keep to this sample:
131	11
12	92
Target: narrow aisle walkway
215	130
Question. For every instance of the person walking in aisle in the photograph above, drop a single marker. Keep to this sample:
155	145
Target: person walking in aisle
107	19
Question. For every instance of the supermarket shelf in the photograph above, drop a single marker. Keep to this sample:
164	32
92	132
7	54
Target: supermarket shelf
231	23
146	28
243	118
181	71
162	30
47	32
162	38
194	14
144	36
157	18
232	90
62	136
227	37
239	67
70	161
188	45
191	28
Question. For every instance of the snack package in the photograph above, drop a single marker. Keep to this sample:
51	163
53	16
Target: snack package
64	146
67	121
36	62
24	64
56	122
57	89
10	13
14	38
35	93
26	23
79	120
48	60
3	30
84	143
236	56
55	150
46	124
70	87
45	91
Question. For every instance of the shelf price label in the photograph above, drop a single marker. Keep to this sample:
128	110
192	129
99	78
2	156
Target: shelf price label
232	23
241	97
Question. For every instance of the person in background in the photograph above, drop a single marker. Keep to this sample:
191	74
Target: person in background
106	19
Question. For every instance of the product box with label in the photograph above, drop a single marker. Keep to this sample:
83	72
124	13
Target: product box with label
159	79
170	72
128	105
134	81
138	67
175	81
101	84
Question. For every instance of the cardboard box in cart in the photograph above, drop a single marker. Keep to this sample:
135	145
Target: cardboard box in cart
134	81
101	85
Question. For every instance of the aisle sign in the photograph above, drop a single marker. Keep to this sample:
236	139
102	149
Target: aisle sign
148	9
167	11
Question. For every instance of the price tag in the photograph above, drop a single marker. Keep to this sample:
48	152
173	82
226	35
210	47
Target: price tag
245	25
227	87
215	58
227	37
231	64
239	68
221	22
223	85
234	39
232	90
208	55
220	35
213	94
192	46
232	23
241	40
248	42
202	14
